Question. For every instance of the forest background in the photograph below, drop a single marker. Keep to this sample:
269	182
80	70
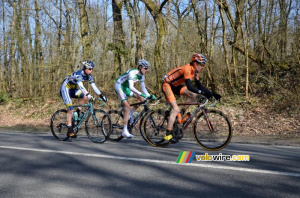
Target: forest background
252	48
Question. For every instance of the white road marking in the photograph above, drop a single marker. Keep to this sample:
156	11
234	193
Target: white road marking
157	161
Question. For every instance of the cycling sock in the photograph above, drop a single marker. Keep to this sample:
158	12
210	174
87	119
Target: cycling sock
125	127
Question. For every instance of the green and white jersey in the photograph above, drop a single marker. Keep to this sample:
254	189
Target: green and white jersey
131	74
126	82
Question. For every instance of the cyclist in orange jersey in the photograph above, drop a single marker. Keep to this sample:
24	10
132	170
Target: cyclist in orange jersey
179	82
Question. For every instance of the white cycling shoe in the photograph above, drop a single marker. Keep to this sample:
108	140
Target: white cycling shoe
127	134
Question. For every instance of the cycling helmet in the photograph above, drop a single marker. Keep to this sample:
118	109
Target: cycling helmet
87	64
199	58
143	63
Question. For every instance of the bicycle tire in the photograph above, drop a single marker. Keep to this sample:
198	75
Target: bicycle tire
98	126
219	124
117	125
154	128
58	125
141	124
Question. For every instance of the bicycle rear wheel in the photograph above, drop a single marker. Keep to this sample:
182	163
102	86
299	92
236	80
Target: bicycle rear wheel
98	126
117	125
212	130
155	127
59	126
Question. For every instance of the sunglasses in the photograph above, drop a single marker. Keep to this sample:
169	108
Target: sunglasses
146	68
91	69
201	64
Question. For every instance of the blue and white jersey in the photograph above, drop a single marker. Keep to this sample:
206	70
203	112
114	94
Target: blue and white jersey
74	81
76	77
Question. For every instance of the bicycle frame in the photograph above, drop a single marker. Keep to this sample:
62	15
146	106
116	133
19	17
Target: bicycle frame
207	124
90	109
139	117
201	106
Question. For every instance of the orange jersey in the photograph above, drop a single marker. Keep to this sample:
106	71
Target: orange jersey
178	75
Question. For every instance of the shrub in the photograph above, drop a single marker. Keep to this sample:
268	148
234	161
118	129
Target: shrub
3	97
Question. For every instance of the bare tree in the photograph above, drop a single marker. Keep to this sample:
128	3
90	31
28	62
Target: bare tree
285	9
12	65
85	30
118	46
155	9
225	47
38	49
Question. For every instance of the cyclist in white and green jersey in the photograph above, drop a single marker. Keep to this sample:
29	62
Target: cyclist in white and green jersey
124	87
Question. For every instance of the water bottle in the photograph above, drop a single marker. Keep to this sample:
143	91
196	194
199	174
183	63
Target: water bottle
135	115
75	116
132	118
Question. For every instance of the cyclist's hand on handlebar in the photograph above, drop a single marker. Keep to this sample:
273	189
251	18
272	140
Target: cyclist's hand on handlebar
151	97
208	94
103	98
216	96
90	97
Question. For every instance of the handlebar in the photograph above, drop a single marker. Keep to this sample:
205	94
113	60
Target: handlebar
145	102
101	104
157	101
214	103
206	101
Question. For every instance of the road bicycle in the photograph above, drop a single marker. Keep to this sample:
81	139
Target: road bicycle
117	119
97	123
211	128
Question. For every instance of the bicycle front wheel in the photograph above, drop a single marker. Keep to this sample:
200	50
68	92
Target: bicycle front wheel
98	126
212	130
58	125
155	127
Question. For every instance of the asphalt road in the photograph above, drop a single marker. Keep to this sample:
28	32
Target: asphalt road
37	165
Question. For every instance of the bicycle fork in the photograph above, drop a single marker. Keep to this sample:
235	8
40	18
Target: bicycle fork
210	126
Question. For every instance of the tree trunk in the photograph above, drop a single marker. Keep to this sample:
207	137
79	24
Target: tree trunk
118	46
285	8
131	13
84	31
4	74
12	68
201	32
156	11
225	48
39	52
203	44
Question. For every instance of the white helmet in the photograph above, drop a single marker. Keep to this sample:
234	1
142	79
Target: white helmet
143	63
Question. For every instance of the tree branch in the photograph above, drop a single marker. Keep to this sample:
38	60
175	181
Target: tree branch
252	57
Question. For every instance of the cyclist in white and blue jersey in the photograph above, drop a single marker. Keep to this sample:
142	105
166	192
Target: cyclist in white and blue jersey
124	87
72	87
